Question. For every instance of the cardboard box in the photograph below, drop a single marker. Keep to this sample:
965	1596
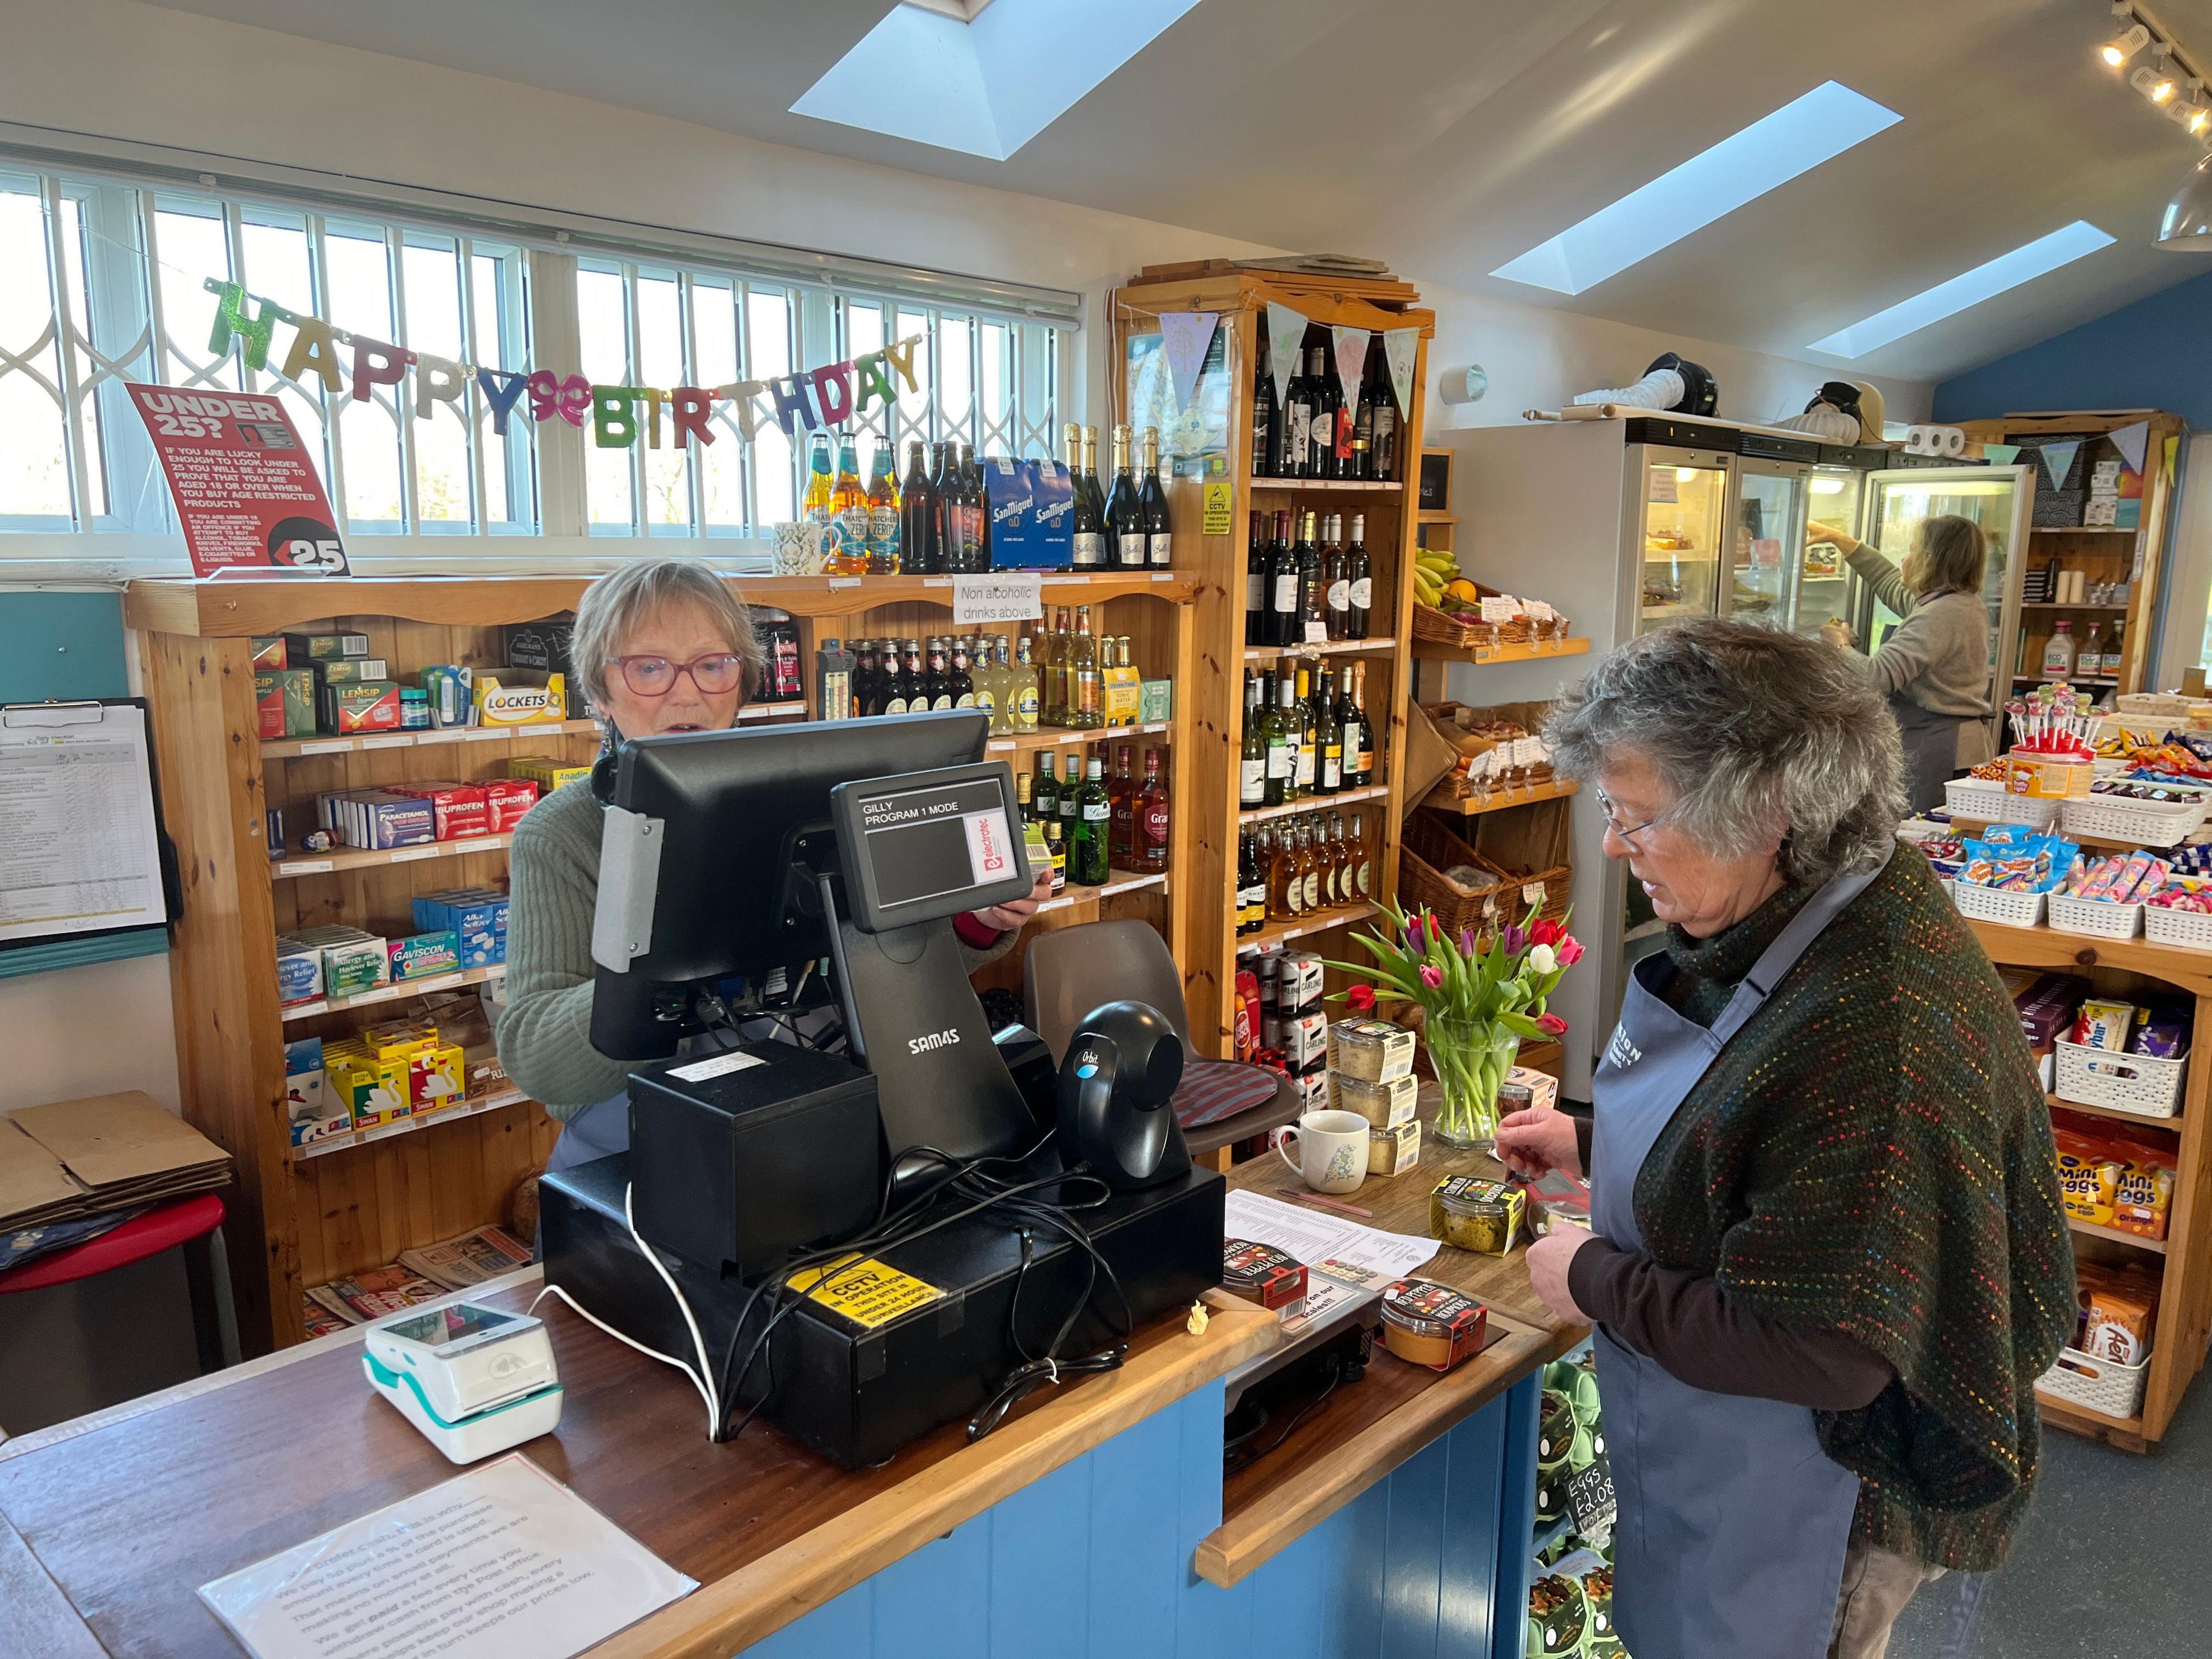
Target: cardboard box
511	697
377	818
299	972
352	670
1154	702
269	652
458	810
284	701
315	1116
302	649
424	956
476	917
506	800
372	1091
349	709
545	772
434	1077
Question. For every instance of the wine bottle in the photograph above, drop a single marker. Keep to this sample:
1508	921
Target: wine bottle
1087	530
1313	620
1252	776
1155	817
1321	438
1291	710
1335	581
1298	427
1255	581
1091	479
1328	738
1125	514
1359	582
1152	504
882	513
1280	739
917	516
1266	418
1309	739
1359	746
1283	565
1248	877
1383	446
1363	430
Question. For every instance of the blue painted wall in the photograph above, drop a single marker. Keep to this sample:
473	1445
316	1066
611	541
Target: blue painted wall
61	646
2154	354
1093	1562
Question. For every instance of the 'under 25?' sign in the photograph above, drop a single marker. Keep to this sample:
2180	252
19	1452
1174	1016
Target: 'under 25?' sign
246	490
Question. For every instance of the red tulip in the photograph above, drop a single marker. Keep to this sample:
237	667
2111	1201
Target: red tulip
1547	932
1569	951
1550	1026
1361	997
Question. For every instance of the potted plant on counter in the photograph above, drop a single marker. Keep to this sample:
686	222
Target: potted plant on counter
1478	1003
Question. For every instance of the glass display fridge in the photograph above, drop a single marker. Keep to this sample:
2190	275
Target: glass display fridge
1825	586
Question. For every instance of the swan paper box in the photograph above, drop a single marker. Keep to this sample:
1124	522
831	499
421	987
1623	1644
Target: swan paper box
476	1380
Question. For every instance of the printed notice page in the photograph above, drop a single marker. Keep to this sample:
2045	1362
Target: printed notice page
246	491
501	1561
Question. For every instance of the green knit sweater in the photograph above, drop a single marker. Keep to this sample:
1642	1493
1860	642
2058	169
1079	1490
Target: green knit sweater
1872	1154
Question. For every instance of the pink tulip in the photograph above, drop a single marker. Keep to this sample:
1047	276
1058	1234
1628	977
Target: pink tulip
1570	950
1550	1026
1431	975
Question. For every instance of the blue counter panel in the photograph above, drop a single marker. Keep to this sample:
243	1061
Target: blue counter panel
1095	1560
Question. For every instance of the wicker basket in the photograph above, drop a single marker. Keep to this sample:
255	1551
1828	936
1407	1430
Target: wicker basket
1540	874
2102	1385
1529	716
1440	627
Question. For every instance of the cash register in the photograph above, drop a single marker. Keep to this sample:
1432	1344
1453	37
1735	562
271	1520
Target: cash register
858	1246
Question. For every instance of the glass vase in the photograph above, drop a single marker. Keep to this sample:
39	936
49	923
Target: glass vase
1470	1058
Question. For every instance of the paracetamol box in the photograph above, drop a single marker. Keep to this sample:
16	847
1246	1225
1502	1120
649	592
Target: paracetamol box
458	810
380	818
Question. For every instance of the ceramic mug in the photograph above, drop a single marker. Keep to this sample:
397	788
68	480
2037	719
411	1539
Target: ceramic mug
1332	1151
798	548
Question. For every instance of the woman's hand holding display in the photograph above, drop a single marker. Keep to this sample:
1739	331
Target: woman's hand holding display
1842	539
1549	1259
1014	915
1536	1142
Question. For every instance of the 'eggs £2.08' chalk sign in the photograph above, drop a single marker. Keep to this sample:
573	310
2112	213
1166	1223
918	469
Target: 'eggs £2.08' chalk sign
246	490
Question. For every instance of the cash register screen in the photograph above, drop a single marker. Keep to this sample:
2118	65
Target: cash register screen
929	844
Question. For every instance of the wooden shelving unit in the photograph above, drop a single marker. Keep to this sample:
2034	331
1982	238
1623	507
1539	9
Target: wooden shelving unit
302	1216
2184	1313
1240	297
1437	650
1528	795
2137	556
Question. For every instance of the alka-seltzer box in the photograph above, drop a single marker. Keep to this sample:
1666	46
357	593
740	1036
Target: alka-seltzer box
349	709
284	701
303	649
299	971
424	955
510	696
476	915
545	772
377	818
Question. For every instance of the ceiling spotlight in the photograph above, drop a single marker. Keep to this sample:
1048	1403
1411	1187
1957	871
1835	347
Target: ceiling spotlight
2157	87
2117	52
2190	114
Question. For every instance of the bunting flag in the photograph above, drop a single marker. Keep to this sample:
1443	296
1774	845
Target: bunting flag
2058	461
1185	336
360	367
1399	348
2000	454
2133	442
1350	351
1286	335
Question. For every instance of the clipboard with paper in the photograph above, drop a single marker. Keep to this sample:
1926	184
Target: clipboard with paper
85	854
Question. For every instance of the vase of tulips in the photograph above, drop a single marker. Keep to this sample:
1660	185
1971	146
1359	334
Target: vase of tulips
1478	1004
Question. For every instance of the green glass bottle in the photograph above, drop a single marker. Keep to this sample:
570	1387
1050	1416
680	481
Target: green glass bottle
1089	860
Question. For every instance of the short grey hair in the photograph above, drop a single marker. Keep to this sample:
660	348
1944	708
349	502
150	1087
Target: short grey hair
614	604
1750	727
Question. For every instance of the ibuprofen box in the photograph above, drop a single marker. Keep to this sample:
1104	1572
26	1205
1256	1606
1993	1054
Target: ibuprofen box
424	955
284	699
458	810
506	800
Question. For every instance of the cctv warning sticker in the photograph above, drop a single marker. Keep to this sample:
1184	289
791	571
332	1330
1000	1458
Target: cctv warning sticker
864	1290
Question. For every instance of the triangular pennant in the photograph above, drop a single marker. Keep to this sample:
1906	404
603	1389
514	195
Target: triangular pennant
2132	441
1400	346
1287	334
2000	454
1350	347
2058	461
1185	336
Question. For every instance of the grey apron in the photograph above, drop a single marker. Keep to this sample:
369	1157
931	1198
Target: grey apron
1733	1522
1932	750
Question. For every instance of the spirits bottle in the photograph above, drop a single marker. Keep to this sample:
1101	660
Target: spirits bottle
1152	502
1089	853
918	525
1125	514
883	546
1024	694
1155	817
1252	776
1087	530
1122	807
1360	581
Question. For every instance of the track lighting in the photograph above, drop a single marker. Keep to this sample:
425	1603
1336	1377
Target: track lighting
2116	52
2154	83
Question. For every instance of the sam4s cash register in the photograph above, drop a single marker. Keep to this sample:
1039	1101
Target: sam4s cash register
859	1246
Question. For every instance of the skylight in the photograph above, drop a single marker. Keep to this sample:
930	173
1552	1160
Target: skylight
1773	150
988	85
1983	282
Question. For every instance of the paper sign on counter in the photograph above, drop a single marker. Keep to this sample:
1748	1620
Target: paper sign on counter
1308	1235
500	1561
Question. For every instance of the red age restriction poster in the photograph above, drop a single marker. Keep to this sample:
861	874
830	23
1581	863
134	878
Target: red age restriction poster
245	486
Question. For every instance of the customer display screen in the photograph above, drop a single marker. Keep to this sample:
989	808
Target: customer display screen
929	845
457	1323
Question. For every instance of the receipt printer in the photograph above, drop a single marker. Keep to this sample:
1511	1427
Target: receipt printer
476	1380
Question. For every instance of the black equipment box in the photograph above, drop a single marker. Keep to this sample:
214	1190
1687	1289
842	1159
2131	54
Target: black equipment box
855	1392
746	1155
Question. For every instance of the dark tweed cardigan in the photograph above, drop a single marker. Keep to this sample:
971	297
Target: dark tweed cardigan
1872	1152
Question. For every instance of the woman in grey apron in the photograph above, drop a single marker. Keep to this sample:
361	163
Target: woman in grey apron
1935	667
1827	1260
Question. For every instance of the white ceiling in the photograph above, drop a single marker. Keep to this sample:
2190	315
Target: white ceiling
1450	136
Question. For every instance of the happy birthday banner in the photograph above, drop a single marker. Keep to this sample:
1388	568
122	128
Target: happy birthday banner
825	397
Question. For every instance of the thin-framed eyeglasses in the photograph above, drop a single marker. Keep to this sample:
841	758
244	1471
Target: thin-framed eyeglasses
1627	836
716	674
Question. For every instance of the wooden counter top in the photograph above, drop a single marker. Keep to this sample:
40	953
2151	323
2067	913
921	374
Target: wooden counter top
1365	1431
109	1523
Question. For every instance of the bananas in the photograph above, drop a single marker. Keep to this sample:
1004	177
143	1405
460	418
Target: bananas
1434	570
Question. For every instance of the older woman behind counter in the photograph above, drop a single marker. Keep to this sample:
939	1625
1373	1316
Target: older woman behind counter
661	646
1828	1260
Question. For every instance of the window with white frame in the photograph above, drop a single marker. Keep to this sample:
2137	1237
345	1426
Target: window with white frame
104	280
